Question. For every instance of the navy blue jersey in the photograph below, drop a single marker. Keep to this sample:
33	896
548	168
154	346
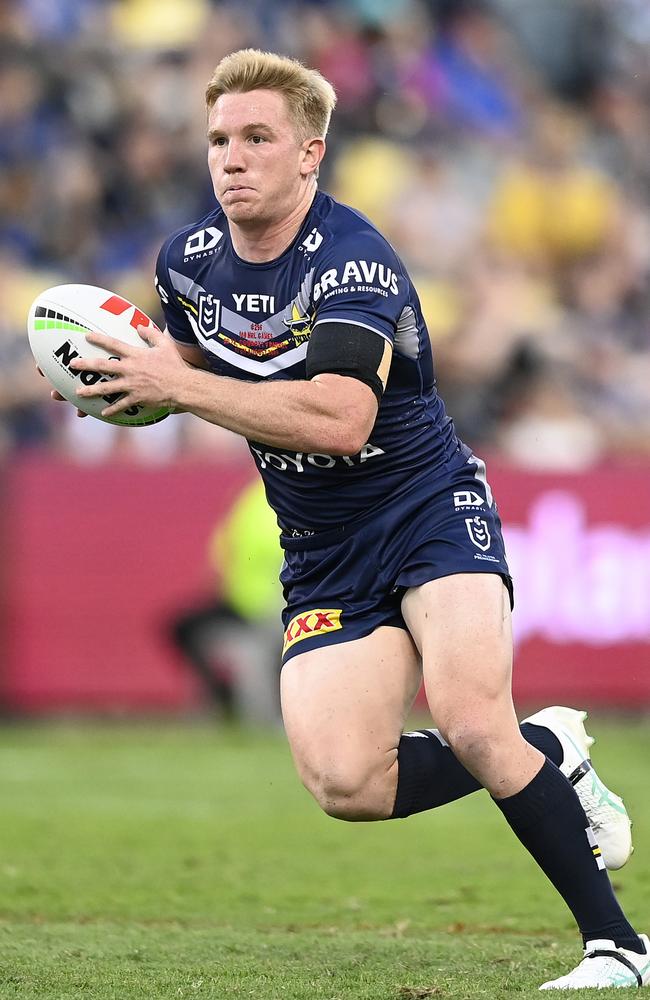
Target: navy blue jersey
254	321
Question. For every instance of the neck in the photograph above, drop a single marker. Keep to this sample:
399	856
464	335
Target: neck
261	241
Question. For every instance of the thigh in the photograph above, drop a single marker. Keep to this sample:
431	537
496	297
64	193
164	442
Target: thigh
461	625
344	706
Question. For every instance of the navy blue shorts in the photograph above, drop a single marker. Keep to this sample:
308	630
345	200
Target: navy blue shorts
343	584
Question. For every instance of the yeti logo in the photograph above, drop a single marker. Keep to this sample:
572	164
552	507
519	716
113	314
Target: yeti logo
479	533
209	314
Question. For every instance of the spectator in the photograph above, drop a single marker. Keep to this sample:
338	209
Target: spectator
230	642
503	145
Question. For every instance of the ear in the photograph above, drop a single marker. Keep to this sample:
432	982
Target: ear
313	151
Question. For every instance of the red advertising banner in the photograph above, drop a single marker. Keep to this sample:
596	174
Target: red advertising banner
579	551
97	560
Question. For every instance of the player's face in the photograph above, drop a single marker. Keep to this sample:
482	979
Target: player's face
256	161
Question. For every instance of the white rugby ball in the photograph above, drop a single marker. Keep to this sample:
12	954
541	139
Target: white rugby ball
58	321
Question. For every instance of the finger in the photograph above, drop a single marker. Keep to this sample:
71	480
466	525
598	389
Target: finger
150	334
105	366
102	388
119	406
108	343
54	394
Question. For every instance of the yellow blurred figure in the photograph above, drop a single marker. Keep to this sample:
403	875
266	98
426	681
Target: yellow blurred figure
233	642
565	215
157	24
245	551
553	205
370	174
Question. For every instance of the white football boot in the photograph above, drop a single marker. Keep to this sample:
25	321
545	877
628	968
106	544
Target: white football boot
605	965
605	810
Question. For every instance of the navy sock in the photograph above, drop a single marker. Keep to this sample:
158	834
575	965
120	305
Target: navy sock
551	824
429	774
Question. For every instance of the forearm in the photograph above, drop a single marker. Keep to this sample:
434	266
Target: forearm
301	415
330	413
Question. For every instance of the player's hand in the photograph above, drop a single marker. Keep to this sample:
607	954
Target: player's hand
55	394
145	377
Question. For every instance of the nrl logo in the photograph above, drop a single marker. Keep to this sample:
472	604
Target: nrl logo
479	533
209	314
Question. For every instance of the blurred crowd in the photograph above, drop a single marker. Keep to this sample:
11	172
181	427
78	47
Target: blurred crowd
503	146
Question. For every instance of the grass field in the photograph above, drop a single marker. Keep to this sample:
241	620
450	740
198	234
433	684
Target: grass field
187	862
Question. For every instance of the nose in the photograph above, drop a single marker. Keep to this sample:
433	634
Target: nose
234	159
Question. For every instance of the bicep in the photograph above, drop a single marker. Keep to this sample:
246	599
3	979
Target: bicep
351	404
346	393
351	350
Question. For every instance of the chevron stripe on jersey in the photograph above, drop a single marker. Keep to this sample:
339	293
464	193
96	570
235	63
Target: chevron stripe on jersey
254	322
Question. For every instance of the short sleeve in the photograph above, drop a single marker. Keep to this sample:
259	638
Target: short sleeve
175	317
360	281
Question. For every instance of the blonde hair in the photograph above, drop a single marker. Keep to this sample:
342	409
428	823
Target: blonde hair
310	97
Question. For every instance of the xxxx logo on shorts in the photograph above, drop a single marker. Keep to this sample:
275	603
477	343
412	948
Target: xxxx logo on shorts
310	624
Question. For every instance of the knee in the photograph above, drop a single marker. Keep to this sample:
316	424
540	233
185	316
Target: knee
473	740
350	793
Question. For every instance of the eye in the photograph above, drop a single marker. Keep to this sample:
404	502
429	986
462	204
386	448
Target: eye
257	139
218	140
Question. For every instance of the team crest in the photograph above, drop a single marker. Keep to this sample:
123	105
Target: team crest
298	322
479	532
209	314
